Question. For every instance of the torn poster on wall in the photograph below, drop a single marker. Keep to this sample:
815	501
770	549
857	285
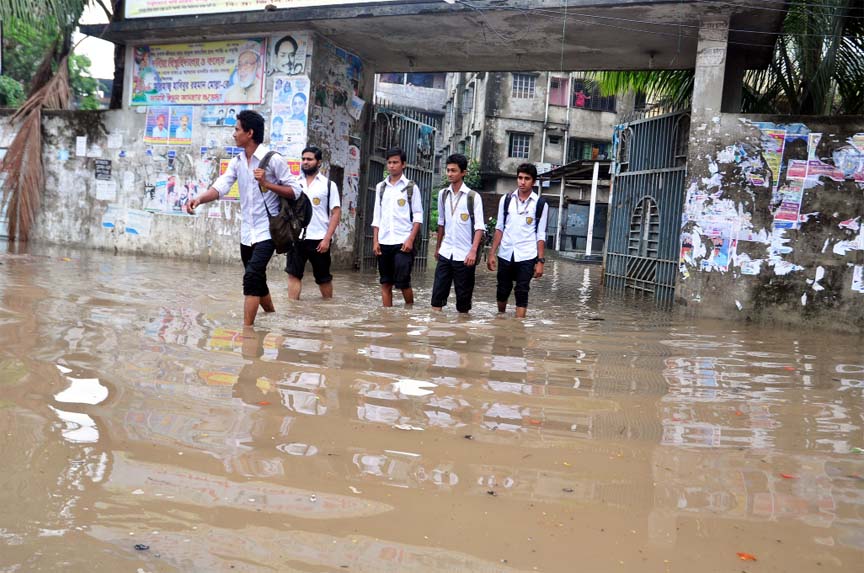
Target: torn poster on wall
719	212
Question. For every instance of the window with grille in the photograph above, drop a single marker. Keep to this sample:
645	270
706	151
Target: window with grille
523	86
520	145
587	96
468	100
586	150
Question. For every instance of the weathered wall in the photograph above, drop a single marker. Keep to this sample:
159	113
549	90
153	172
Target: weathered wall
426	99
76	210
772	225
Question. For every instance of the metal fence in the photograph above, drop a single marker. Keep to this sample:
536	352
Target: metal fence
415	132
648	194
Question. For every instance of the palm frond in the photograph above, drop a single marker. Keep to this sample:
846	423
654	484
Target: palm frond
22	164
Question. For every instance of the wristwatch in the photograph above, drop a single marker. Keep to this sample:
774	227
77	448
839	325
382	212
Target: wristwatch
541	260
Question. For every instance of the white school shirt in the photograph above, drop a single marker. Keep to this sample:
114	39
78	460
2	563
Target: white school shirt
458	234
317	193
254	223
520	237
391	213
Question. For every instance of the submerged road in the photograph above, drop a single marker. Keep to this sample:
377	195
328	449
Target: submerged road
142	430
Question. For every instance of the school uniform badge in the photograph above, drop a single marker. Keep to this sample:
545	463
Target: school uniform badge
316	201
529	220
464	217
401	202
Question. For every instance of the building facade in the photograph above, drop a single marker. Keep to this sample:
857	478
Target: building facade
504	119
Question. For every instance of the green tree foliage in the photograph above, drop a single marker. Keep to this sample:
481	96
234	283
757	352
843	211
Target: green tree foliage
24	47
817	67
11	92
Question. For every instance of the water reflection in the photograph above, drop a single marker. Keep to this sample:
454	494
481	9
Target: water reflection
337	435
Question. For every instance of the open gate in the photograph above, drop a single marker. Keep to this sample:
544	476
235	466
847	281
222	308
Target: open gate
415	132
648	194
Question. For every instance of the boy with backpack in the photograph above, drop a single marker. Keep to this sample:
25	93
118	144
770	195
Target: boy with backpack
255	170
396	221
460	231
315	244
521	236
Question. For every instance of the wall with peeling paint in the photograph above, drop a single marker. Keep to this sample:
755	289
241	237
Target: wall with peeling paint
773	221
79	210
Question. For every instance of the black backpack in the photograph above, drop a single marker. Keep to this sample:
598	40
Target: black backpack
289	225
538	212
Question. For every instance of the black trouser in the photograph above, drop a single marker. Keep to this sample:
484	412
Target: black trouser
461	276
255	259
307	250
394	266
521	273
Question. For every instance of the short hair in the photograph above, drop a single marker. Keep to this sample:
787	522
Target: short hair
313	149
301	95
278	119
393	151
458	159
285	39
527	169
254	122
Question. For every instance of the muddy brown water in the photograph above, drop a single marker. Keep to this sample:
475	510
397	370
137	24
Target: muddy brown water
597	435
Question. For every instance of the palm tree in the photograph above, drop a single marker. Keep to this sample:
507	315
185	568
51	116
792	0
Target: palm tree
49	89
817	67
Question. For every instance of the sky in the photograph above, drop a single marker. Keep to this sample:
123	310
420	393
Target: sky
100	52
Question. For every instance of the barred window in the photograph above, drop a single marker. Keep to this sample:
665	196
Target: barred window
523	86
520	145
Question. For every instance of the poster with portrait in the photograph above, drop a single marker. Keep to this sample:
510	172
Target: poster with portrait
289	115
156	124
181	126
225	72
221	115
288	53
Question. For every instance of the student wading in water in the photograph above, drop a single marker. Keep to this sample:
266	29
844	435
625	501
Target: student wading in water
460	231
396	221
256	246
520	234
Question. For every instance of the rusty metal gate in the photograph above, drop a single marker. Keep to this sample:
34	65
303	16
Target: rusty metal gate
648	194
415	132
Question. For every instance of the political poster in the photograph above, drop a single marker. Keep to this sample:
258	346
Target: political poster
159	8
224	72
289	115
289	52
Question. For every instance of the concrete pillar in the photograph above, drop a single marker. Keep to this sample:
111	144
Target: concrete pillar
336	78
710	67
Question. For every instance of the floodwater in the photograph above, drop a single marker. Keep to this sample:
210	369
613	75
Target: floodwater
594	436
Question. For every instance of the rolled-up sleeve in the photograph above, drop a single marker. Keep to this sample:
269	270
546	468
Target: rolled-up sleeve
479	224
417	205
376	210
224	182
499	224
541	226
335	201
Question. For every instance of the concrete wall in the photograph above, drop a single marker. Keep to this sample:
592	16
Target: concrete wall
76	210
788	248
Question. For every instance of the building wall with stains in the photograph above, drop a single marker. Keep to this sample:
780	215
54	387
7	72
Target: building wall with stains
104	182
773	220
